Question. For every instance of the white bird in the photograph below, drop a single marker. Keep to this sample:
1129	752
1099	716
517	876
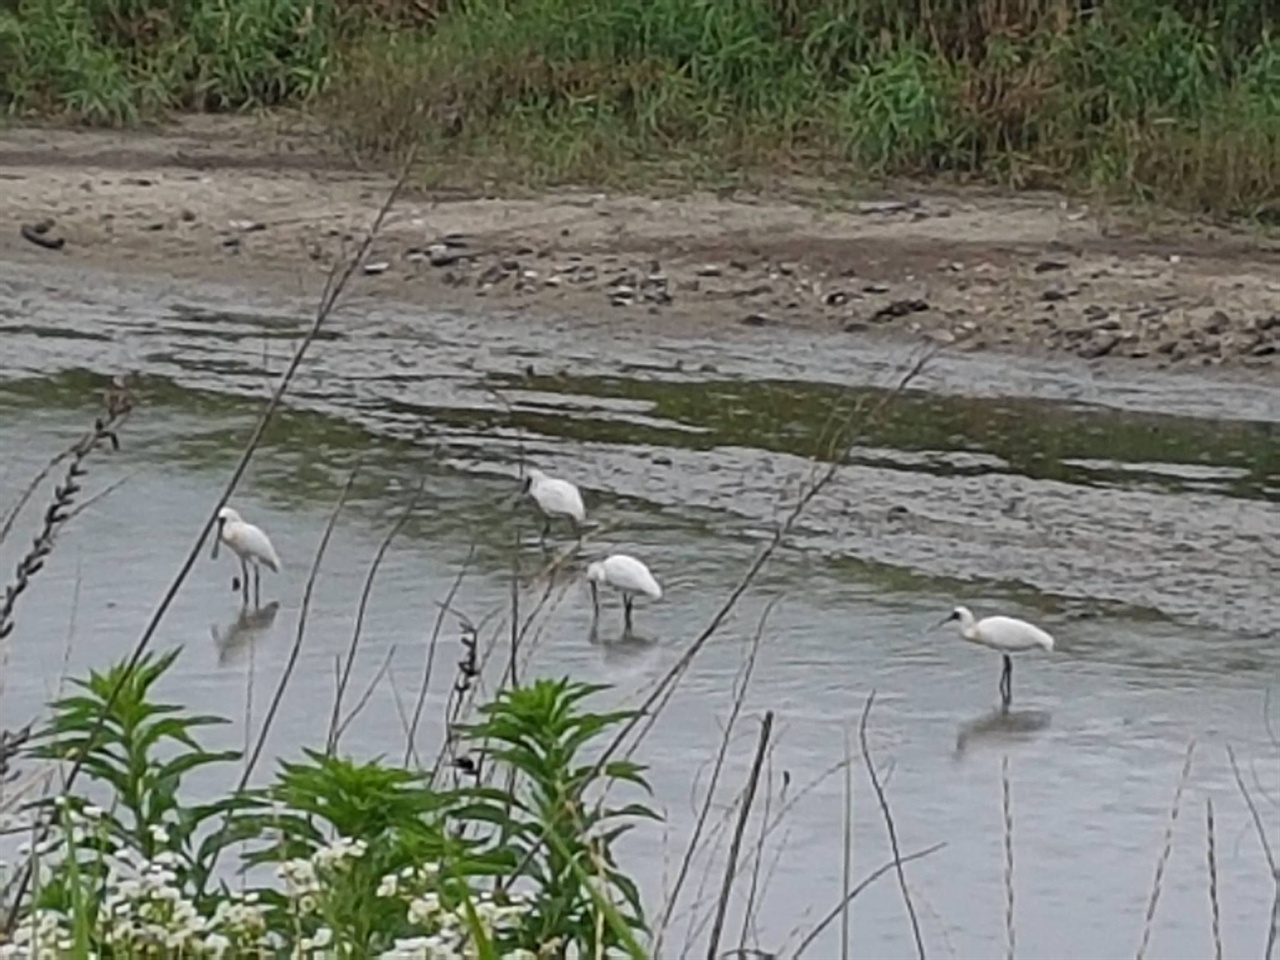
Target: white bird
628	576
555	498
1004	634
248	543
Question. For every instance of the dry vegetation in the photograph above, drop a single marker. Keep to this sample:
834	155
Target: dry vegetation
1165	100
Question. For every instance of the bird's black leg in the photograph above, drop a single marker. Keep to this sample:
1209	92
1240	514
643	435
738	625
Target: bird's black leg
1006	683
244	580
257	585
626	614
546	531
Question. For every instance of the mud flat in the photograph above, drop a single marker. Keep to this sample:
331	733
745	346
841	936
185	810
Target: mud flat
246	200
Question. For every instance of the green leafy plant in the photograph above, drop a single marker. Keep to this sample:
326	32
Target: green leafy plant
339	857
548	815
135	753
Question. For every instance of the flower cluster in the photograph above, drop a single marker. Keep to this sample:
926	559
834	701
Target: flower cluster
445	933
135	906
142	906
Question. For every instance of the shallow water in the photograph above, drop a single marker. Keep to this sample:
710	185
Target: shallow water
1135	517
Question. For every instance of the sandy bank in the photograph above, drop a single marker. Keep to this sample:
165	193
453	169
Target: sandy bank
239	200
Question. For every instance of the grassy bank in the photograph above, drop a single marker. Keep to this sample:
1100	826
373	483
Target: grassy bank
1165	100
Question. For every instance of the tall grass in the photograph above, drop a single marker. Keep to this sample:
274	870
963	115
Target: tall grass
1162	99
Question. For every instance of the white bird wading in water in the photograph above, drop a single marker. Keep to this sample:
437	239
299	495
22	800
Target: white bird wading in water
629	577
251	545
555	498
1004	634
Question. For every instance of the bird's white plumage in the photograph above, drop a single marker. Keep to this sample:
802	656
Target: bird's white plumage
1006	634
556	497
248	542
626	574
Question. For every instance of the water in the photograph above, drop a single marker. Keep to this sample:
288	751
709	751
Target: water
1134	517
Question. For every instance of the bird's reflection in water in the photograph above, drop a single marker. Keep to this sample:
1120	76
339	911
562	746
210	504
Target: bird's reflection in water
250	626
1000	726
620	649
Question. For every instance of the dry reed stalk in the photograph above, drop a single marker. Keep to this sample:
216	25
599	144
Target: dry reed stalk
411	749
1211	858
1006	799
331	742
740	693
63	502
730	870
363	700
846	861
1273	927
1163	860
296	649
889	824
852	895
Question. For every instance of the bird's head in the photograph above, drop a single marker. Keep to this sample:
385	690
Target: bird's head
225	515
960	614
595	572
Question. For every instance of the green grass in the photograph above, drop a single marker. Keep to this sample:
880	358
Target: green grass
1159	100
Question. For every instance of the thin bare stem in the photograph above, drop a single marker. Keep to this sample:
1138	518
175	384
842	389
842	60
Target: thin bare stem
730	870
846	861
410	750
1211	858
754	888
301	631
1163	860
363	700
1011	936
1273	927
717	766
889	825
331	742
872	877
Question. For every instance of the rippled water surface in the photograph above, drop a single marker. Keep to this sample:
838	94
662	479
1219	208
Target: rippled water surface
1136	518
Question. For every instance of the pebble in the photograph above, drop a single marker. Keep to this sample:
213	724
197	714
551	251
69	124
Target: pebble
376	267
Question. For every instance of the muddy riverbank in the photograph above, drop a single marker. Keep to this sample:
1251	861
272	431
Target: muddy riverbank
231	199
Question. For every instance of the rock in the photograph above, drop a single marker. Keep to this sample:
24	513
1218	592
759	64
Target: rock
1095	312
756	320
247	226
899	308
376	267
876	288
941	335
38	233
1264	349
709	270
1217	323
1267	323
836	298
888	206
1053	296
188	216
1099	346
442	255
1046	266
494	274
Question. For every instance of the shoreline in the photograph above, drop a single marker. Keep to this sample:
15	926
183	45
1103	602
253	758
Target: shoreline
244	201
